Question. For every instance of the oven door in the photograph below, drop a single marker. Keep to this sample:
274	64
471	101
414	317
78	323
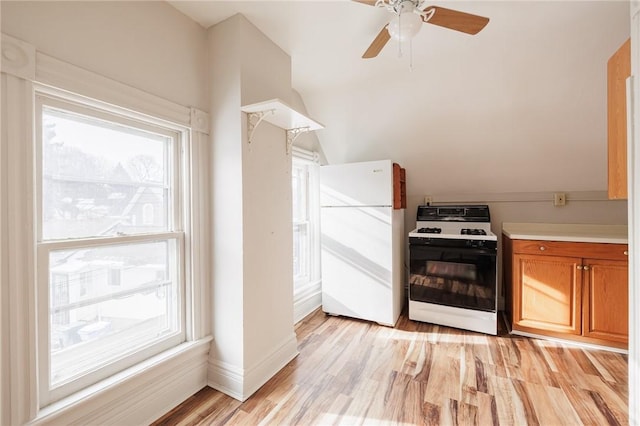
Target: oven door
464	277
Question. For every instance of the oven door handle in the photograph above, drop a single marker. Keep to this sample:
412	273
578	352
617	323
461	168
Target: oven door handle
463	250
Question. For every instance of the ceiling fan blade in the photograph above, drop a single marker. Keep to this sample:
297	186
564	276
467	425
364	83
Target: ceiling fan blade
378	43
455	20
369	2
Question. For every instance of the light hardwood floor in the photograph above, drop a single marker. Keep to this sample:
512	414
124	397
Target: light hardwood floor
355	372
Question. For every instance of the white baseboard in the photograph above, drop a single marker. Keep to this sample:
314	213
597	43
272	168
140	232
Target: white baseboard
307	301
226	378
140	399
241	383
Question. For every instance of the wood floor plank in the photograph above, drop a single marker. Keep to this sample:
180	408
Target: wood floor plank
583	403
431	414
604	394
442	374
423	370
487	410
371	394
551	405
612	367
412	413
352	372
336	411
509	406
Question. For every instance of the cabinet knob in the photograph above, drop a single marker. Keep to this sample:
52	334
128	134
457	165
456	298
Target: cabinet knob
542	248
626	252
585	267
579	267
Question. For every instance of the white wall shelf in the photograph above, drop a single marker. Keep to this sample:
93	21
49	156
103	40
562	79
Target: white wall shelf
279	114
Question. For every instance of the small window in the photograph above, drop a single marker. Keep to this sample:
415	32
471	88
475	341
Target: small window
306	252
300	186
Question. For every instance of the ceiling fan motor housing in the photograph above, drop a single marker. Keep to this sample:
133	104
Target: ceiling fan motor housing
407	22
403	6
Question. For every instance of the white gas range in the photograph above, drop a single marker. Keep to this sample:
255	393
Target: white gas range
470	222
453	268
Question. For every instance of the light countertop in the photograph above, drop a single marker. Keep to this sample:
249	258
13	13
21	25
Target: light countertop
585	233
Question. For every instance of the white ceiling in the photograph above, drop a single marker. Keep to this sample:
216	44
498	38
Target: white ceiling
326	39
524	99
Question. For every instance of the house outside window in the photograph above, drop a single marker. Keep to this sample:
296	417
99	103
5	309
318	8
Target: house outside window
85	282
147	214
103	308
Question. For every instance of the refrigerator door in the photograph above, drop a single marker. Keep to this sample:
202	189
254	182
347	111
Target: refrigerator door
357	184
357	263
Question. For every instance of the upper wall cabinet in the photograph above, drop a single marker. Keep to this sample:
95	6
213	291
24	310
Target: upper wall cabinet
618	70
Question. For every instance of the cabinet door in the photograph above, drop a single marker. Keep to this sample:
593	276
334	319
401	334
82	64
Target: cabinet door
605	302
547	294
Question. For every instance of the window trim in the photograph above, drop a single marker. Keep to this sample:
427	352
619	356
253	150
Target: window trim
183	365
178	184
311	160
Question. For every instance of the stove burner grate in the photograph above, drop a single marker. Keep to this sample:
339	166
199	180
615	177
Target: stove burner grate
472	231
429	230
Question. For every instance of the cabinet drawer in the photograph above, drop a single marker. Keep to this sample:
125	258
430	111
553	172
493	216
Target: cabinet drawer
562	248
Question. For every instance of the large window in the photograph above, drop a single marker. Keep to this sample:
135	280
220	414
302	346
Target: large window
110	242
305	220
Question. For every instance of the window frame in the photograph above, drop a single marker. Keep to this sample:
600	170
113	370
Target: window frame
305	222
178	213
309	160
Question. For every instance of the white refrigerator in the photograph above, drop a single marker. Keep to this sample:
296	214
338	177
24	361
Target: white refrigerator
362	238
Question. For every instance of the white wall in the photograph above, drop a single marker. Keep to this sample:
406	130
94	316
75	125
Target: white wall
268	233
145	44
309	140
252	234
227	195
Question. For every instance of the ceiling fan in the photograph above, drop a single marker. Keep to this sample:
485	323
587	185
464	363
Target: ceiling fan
408	19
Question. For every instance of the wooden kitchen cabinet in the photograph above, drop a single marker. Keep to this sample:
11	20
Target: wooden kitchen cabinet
606	300
618	70
547	293
571	290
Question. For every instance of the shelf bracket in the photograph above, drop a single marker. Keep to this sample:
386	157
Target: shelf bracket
254	119
281	115
292	135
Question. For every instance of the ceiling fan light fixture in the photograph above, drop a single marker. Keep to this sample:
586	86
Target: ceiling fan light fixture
405	25
408	17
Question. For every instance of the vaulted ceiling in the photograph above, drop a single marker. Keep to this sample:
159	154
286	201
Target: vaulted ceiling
521	106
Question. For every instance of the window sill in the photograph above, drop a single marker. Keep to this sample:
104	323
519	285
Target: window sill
88	399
